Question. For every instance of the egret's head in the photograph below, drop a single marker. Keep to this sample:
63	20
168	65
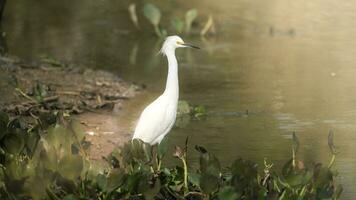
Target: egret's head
173	42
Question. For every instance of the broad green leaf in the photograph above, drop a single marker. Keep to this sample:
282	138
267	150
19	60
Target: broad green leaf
31	141
14	143
183	108
78	132
208	182
194	178
177	24
189	19
152	190
101	180
228	193
209	164
115	179
152	13
57	137
70	166
162	148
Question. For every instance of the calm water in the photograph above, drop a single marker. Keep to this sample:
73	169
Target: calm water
291	64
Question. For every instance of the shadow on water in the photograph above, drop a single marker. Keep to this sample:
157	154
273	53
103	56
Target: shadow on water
290	63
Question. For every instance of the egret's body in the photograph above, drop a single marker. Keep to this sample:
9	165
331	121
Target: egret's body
158	118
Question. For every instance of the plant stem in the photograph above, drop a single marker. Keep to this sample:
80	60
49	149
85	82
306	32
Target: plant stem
293	161
185	173
332	161
158	32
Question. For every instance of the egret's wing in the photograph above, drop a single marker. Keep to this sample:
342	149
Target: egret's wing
153	121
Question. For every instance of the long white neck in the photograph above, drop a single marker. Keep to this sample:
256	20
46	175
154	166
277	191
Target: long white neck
172	85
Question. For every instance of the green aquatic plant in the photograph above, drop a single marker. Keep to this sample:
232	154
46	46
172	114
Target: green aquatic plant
153	14
177	24
133	15
42	159
190	16
194	111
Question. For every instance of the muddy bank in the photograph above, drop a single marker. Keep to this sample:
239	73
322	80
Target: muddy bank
93	97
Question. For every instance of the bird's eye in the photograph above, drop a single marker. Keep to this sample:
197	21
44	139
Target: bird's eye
178	42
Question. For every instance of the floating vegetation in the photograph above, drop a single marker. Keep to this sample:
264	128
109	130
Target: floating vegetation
194	111
47	160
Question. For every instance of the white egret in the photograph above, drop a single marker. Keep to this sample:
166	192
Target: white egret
157	119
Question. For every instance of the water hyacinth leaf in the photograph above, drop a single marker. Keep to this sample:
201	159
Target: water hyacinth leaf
194	178
189	19
14	143
115	179
244	168
17	125
177	24
183	108
288	168
140	151
101	180
153	14
208	182
199	112
133	15
298	179
49	158
152	190
47	119
70	166
228	193
162	148
57	136
31	141
209	164
77	130
132	181
200	149
322	176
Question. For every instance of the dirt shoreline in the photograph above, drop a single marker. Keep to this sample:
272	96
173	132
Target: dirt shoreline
92	97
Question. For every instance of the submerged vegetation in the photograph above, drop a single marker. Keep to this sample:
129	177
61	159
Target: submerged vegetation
46	159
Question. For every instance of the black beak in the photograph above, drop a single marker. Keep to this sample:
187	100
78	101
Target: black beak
190	46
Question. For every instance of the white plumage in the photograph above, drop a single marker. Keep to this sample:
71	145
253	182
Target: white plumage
158	118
